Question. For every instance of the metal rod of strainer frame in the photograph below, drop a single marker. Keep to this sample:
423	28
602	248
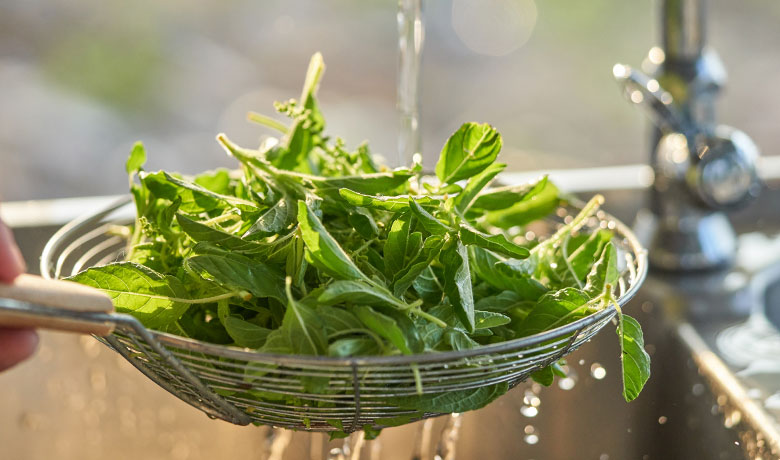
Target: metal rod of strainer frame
410	42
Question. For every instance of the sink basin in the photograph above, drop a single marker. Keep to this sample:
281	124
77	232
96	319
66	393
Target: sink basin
78	400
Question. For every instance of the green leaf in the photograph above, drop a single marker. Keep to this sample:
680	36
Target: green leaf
406	277
203	233
603	273
459	340
504	197
368	184
431	224
167	186
335	319
581	259
303	328
155	299
453	401
526	211
239	272
395	249
497	243
516	277
544	376
471	149
277	218
357	293
457	279
244	333
487	319
465	199
353	346
554	309
634	358
137	158
325	252
396	328
362	220
399	203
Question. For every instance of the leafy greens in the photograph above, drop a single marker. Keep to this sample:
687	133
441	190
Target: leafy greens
312	248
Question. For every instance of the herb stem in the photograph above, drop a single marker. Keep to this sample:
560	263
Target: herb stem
429	317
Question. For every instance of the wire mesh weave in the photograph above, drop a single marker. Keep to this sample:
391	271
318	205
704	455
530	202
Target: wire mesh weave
222	381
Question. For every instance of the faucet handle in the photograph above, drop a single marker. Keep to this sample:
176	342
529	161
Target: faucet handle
721	172
725	176
647	93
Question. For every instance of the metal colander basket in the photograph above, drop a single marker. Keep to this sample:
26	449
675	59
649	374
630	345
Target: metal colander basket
222	380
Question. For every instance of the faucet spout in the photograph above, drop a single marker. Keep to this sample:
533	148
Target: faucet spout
683	29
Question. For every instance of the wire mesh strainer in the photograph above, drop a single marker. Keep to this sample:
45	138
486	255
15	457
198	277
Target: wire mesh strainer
221	380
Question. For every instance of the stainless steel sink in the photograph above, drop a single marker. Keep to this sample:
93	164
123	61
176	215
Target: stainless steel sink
77	400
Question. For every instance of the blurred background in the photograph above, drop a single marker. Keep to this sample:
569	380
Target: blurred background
81	80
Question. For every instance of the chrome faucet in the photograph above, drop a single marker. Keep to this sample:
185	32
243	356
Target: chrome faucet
701	168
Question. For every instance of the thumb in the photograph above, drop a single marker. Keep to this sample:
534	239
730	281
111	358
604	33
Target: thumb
11	260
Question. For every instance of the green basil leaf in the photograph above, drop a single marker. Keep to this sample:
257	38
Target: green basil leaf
202	233
277	218
395	249
325	252
487	319
525	211
465	199
504	197
335	319
368	184
431	224
406	277
239	272
353	346
303	328
457	279
554	309
244	333
544	376
603	273
398	328
155	299
497	243
633	357
357	292
506	276
137	158
471	149
399	203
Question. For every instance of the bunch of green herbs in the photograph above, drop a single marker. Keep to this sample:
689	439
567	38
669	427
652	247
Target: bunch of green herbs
311	248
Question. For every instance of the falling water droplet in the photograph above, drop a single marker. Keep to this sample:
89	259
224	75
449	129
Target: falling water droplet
529	411
597	371
582	362
531	399
662	419
531	439
568	382
531	435
697	389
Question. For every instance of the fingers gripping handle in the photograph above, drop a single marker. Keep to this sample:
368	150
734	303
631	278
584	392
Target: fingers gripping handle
32	301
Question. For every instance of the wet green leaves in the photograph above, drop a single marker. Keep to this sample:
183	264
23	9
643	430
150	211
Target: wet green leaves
311	248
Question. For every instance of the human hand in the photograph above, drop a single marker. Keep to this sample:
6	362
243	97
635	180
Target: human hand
16	345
